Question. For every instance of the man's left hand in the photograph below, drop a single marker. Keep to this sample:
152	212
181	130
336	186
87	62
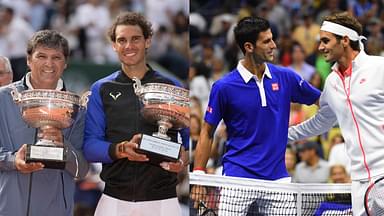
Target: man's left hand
176	167
179	165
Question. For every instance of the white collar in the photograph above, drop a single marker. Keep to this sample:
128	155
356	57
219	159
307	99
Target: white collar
355	62
247	75
59	87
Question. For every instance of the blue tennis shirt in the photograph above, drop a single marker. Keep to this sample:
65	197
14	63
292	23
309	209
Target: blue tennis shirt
256	114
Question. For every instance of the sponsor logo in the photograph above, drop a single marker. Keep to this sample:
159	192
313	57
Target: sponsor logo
209	109
275	86
114	97
362	81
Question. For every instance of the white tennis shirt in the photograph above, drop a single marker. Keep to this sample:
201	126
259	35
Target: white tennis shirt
360	116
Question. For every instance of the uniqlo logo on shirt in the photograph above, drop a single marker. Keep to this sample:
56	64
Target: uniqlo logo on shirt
275	86
209	109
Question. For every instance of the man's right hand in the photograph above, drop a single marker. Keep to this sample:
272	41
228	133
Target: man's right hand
24	167
127	149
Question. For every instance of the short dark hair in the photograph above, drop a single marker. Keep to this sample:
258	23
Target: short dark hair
50	39
130	18
348	21
248	29
307	146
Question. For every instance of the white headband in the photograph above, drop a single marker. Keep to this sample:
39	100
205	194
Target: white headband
342	31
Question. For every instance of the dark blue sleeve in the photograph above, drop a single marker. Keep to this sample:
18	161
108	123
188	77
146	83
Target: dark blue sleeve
301	91
214	112
95	145
184	133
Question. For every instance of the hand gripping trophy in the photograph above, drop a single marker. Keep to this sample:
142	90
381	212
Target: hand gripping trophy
42	108
165	105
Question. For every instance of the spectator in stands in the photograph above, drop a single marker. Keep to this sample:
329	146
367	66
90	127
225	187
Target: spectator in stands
91	30
296	114
338	153
312	168
298	62
200	82
194	128
363	10
331	7
353	96
338	174
316	81
375	40
290	161
6	73
196	108
15	34
306	34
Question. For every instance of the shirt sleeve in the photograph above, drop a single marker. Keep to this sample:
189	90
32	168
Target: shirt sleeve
7	160
96	148
216	104
184	133
320	123
303	92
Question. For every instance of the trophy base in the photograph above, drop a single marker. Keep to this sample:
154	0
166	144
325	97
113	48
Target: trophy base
159	150
52	157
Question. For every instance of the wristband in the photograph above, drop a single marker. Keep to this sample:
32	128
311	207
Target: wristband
199	170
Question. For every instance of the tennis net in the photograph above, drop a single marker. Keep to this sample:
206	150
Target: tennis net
213	195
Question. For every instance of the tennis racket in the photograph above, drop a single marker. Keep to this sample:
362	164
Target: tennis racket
374	198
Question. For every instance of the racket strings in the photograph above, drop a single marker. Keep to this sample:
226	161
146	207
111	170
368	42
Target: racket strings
375	198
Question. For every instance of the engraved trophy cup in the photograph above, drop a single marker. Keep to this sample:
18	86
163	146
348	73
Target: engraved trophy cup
168	107
42	108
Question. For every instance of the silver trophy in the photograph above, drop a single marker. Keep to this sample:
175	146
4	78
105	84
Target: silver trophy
42	108
168	107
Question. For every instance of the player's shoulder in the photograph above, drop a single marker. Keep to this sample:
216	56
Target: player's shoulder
105	79
8	88
160	77
228	78
377	61
279	70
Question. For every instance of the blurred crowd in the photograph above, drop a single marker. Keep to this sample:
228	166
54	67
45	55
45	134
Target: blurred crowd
295	25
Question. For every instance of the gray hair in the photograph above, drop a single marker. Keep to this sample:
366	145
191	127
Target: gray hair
7	64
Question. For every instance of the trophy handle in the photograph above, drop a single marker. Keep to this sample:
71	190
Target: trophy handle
16	95
137	85
84	99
